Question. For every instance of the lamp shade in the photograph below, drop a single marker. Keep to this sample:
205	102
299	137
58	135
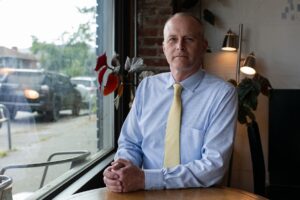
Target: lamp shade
229	42
249	65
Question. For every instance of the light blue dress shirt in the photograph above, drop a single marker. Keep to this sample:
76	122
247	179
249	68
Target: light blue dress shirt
207	130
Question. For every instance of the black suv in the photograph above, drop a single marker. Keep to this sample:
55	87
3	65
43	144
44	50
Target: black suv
38	90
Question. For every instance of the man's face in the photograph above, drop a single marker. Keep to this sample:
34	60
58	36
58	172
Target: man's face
183	44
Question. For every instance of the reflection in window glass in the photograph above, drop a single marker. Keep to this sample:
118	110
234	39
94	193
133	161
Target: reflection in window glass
24	78
43	44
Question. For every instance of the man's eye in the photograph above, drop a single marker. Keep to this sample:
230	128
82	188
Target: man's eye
189	39
172	40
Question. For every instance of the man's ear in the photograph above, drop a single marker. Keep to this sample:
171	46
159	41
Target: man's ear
163	47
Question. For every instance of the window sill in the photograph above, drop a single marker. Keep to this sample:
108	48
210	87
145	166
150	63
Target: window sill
74	179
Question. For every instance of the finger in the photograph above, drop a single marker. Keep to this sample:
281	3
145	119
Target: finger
117	165
114	186
111	182
107	170
123	161
110	174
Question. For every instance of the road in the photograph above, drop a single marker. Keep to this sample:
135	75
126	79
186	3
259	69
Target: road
33	140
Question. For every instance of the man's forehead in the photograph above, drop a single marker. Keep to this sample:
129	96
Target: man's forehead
177	30
180	23
196	34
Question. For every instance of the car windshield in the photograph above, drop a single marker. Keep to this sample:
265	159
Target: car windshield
28	78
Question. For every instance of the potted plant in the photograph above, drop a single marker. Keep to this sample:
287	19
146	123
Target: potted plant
248	90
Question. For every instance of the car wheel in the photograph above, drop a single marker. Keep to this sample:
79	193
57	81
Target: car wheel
40	112
53	115
76	109
12	114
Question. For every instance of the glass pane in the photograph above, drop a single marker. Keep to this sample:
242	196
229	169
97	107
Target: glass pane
24	78
49	96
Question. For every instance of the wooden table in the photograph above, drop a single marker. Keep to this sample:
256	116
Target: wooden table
214	193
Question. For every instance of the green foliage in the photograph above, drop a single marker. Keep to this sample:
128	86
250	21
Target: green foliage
74	56
248	91
3	154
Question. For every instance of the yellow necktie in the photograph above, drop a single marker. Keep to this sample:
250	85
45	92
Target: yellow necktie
172	143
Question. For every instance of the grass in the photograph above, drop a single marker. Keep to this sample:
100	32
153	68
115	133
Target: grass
45	138
3	154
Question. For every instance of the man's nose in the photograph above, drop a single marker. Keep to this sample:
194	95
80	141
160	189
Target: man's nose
180	45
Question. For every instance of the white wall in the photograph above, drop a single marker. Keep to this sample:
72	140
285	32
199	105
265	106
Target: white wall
272	31
273	38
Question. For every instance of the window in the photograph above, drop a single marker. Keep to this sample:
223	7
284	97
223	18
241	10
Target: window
50	42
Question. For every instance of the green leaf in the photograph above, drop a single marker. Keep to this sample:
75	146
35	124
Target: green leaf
264	84
248	91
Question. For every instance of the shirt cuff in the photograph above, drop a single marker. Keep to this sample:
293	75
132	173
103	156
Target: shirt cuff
154	179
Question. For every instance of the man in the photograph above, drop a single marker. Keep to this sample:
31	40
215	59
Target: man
208	120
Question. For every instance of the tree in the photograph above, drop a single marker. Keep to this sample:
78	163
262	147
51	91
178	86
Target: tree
75	56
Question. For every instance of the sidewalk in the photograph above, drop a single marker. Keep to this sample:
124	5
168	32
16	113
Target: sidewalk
34	142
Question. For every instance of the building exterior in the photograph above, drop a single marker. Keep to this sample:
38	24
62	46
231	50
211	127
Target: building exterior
12	58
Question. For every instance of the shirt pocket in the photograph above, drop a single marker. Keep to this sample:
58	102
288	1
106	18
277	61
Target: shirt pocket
191	144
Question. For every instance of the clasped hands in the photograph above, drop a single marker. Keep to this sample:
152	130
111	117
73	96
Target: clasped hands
123	176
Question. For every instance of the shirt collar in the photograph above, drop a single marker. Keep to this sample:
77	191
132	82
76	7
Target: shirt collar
191	83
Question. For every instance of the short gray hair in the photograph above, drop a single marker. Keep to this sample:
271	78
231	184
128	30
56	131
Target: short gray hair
187	14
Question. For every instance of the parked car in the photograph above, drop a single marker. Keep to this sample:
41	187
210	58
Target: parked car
87	86
38	90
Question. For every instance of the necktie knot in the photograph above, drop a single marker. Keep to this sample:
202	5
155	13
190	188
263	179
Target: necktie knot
177	89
